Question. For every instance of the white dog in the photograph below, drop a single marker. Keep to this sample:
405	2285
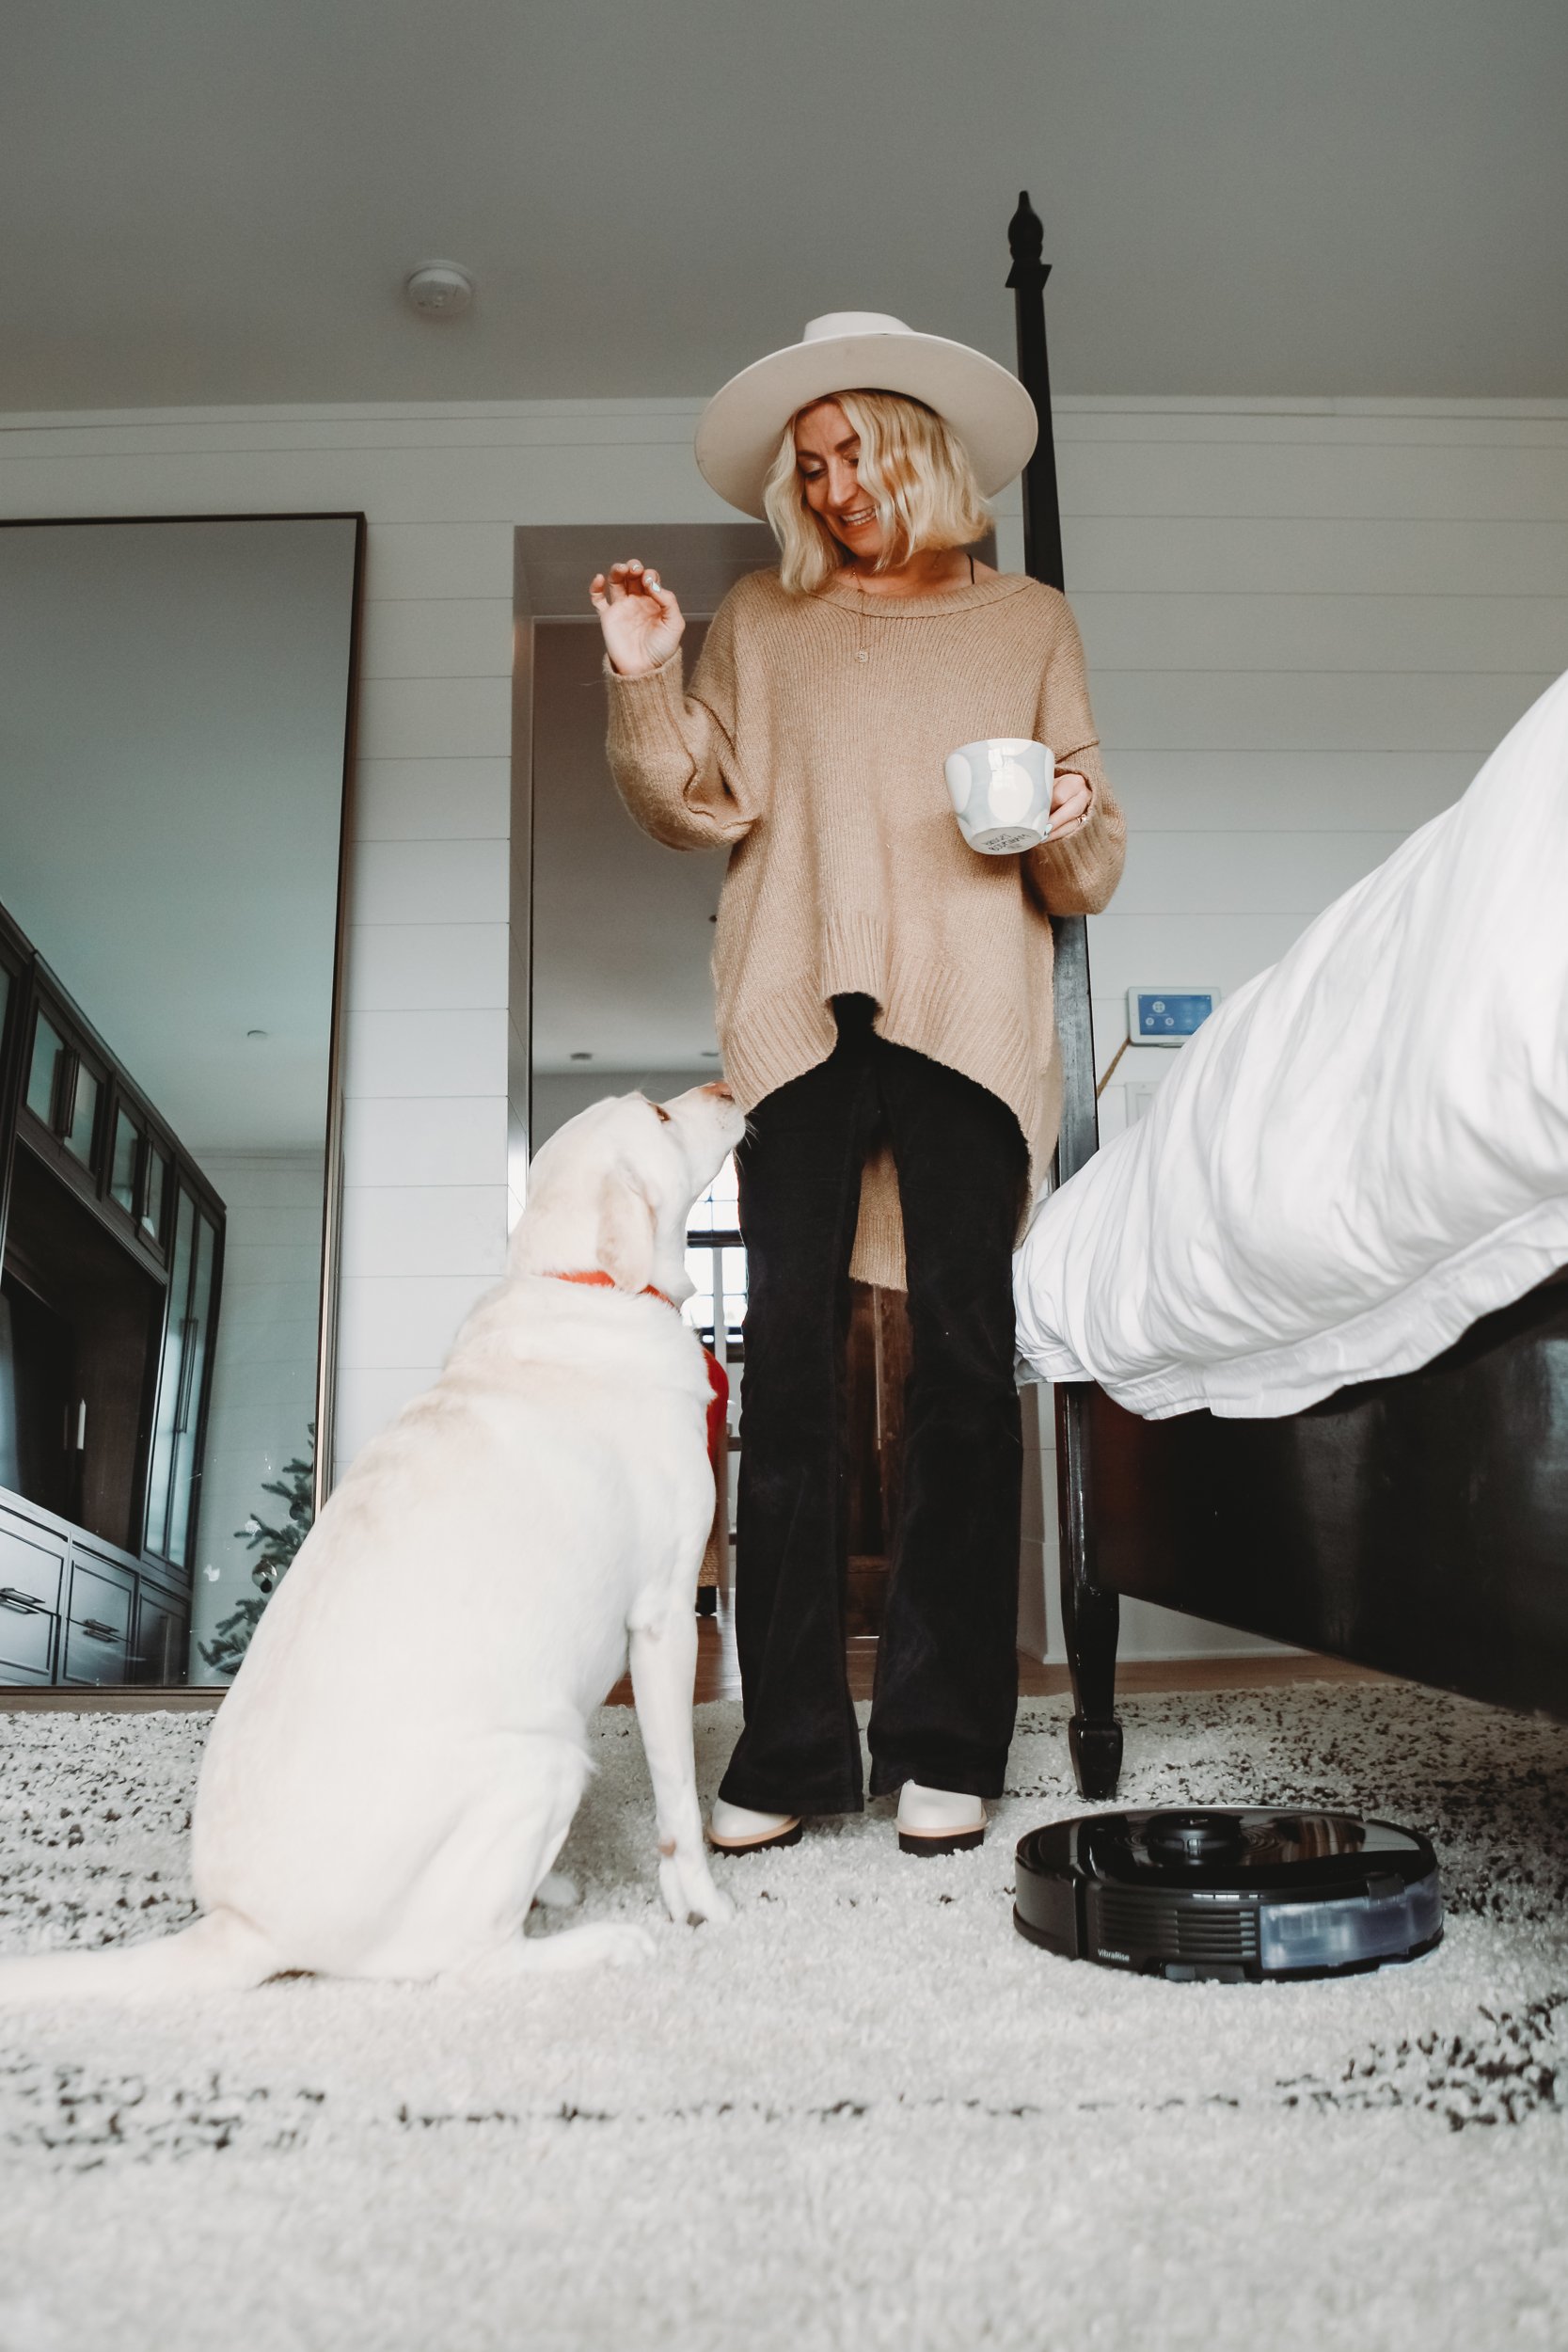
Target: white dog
388	1783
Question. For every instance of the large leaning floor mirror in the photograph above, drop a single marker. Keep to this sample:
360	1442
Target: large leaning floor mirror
618	995
175	707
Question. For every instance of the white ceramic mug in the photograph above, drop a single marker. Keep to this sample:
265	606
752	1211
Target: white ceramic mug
1001	789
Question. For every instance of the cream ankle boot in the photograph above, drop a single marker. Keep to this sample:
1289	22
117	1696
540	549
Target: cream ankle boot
735	1829
938	1820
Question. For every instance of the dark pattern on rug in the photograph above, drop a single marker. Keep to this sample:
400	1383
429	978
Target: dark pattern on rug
79	2121
94	1818
1507	2071
95	1814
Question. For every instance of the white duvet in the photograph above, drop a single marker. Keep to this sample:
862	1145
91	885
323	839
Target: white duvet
1360	1153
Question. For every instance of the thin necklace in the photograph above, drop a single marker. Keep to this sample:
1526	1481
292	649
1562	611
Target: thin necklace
862	649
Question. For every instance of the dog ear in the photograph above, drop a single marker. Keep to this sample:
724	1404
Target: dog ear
625	1246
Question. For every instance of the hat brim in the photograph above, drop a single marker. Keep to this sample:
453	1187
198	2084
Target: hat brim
738	433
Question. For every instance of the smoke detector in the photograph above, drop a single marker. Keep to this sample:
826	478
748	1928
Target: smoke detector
439	290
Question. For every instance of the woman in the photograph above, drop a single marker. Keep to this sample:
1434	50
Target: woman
884	1011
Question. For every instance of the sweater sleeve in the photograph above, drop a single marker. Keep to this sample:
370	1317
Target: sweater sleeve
1077	874
673	754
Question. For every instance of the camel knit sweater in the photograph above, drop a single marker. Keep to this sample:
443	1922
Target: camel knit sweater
812	741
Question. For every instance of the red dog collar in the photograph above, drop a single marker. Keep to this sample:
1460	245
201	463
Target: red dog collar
717	1378
597	1280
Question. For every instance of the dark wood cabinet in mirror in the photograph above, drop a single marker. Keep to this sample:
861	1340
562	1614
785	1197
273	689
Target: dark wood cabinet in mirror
172	805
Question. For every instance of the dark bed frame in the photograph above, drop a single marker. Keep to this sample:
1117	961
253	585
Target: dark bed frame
1417	1524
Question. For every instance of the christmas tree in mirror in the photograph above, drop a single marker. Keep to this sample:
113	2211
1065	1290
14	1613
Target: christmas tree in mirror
275	1547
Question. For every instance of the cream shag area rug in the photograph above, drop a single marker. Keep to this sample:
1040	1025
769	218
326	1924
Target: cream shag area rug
867	2114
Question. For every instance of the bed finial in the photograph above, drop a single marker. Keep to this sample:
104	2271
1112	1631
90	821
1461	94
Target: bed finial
1088	1611
1026	242
1043	523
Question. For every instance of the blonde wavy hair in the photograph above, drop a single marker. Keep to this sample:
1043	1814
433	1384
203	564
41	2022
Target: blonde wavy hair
912	466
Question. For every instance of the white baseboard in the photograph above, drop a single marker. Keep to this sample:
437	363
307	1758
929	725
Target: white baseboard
1148	1631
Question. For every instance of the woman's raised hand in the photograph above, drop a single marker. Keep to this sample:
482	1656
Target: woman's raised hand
642	622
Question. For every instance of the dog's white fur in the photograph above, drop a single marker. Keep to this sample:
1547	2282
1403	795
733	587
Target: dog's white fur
390	1781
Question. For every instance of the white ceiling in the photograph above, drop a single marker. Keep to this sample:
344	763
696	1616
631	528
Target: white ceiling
173	698
214	200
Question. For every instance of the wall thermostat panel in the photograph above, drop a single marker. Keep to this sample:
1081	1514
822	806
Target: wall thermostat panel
1168	1016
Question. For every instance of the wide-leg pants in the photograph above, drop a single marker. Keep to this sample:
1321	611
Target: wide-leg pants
947	1685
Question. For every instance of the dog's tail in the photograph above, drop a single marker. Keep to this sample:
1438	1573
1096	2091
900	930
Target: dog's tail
218	1953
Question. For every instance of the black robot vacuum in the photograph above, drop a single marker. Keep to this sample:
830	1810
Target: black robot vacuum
1255	1895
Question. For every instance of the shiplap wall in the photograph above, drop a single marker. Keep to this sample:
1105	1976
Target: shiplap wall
1305	623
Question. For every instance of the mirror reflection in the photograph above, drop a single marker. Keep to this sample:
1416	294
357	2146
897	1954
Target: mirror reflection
174	714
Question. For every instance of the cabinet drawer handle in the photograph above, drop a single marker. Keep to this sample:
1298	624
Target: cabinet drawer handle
99	1631
11	1598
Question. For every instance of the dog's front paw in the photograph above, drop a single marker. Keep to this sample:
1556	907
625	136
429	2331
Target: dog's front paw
717	1907
690	1893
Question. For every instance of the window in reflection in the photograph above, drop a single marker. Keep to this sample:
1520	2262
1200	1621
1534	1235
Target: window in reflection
716	1263
168	1383
720	1206
83	1116
151	1211
122	1166
43	1076
194	1337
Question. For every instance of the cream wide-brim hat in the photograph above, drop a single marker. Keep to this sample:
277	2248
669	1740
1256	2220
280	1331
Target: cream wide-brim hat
851	351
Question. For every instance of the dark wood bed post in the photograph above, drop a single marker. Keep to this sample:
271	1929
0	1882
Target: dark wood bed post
1090	1615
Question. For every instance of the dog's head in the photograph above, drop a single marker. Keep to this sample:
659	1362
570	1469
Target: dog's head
611	1191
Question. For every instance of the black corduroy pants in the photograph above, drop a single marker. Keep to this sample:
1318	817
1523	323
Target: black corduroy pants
946	1684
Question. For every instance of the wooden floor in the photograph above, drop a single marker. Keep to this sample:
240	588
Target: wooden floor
718	1678
719	1673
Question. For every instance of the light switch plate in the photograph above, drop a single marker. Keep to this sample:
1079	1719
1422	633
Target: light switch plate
1168	1016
